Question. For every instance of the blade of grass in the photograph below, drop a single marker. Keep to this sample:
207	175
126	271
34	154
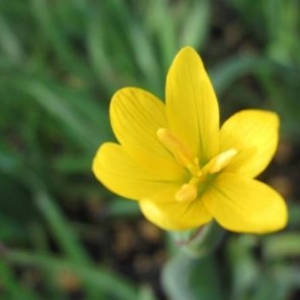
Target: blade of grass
70	164
10	43
282	245
166	32
99	277
95	116
62	231
60	42
100	59
66	238
63	111
12	287
118	207
196	25
225	74
145	57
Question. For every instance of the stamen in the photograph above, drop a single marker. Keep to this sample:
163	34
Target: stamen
187	192
199	173
176	147
221	161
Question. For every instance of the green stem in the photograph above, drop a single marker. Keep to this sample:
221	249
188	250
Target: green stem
200	242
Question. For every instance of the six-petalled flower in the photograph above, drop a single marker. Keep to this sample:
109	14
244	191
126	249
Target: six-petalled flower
184	169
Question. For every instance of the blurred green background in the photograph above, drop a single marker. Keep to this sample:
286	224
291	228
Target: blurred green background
63	235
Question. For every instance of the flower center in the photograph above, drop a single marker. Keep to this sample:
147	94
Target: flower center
189	191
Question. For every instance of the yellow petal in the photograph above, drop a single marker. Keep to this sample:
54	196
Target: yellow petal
191	105
245	205
123	176
254	134
136	115
167	213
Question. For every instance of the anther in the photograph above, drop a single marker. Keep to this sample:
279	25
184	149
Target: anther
221	161
187	192
176	147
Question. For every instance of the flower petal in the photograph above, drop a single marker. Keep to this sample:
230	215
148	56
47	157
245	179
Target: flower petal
167	213
245	205
191	105
254	134
136	115
123	176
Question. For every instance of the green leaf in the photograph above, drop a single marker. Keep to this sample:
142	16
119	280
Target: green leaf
190	278
288	274
282	245
201	241
270	288
244	268
146	293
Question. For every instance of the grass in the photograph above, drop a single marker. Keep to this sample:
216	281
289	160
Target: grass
60	63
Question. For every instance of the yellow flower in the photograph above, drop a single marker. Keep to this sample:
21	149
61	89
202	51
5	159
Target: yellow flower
184	169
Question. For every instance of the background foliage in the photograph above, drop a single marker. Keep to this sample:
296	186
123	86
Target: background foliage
63	236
